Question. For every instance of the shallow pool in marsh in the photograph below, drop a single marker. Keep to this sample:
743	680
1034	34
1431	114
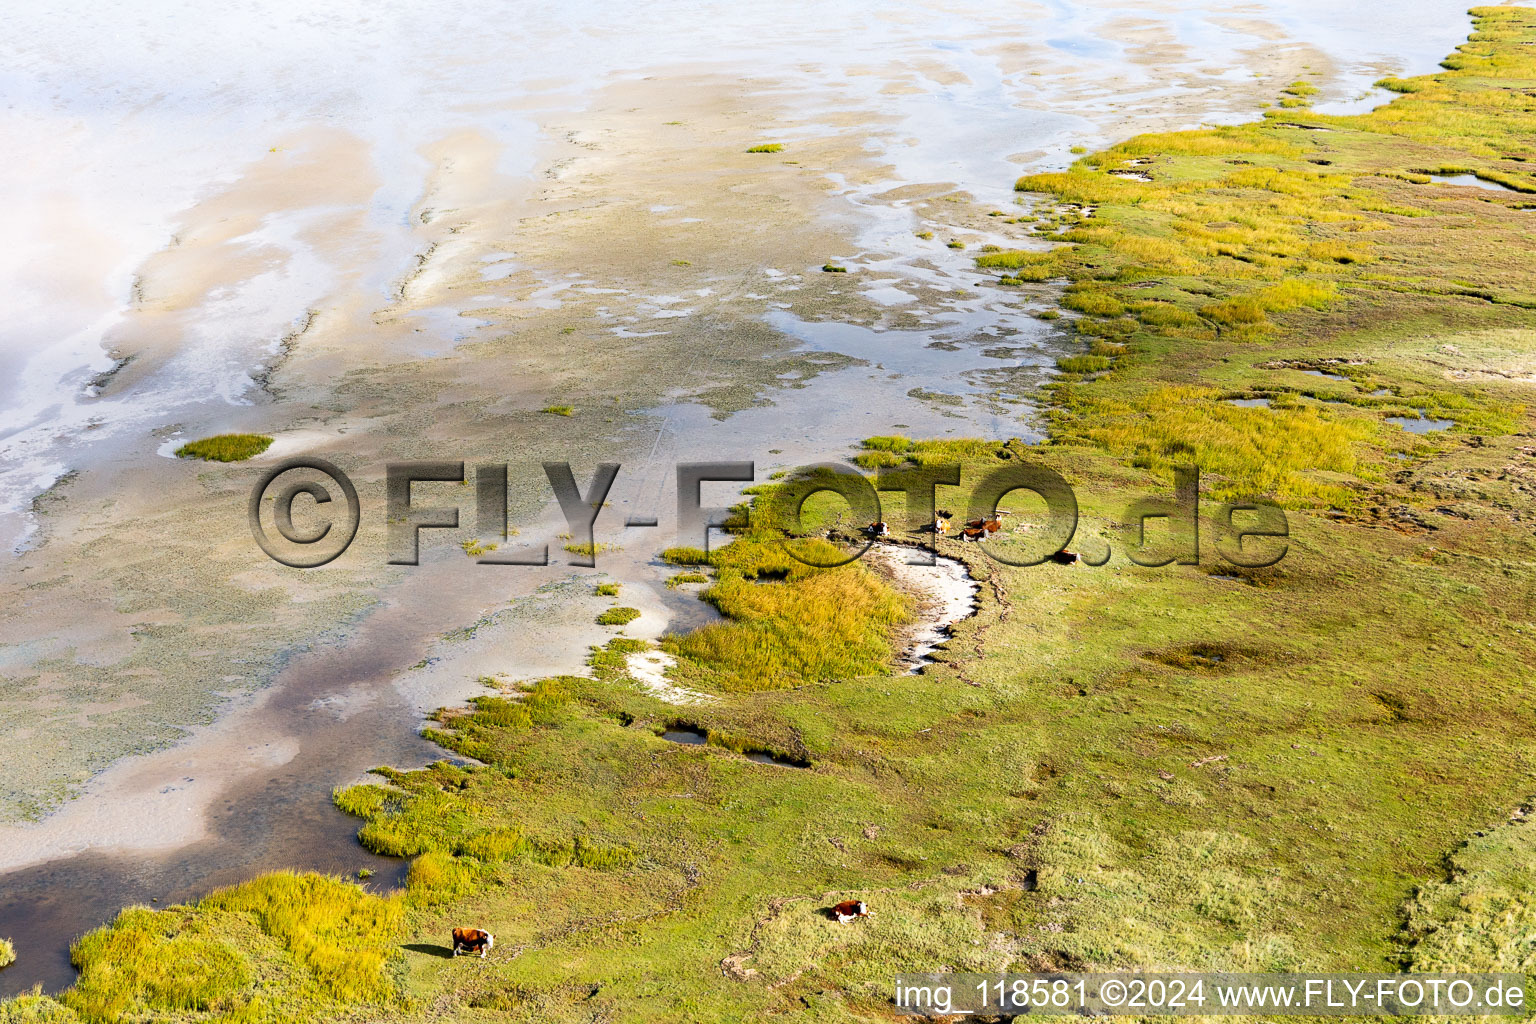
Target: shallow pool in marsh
1471	181
1420	424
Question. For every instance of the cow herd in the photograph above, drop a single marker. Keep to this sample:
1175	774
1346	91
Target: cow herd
478	940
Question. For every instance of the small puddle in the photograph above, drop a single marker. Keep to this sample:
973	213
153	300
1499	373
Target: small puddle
1325	373
764	757
1132	175
692	737
1249	403
1420	424
1471	180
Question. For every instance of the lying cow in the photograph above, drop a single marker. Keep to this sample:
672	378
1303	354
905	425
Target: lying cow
878	530
848	910
470	939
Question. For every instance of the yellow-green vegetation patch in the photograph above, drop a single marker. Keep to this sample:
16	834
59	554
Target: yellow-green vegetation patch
284	945
618	616
589	549
608	590
7	953
559	410
1272	234
685	556
766	147
225	447
788	621
1245	451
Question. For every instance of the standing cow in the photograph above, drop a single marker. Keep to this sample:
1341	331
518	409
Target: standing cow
469	940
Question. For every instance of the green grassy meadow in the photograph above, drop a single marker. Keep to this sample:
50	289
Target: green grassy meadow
1324	764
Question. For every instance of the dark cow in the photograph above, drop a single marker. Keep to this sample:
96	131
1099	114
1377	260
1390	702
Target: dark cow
1065	557
848	910
469	940
878	529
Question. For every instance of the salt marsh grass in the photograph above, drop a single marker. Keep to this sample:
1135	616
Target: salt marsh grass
225	447
618	616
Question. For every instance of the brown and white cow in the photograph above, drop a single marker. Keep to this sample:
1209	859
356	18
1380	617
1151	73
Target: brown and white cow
848	910
471	939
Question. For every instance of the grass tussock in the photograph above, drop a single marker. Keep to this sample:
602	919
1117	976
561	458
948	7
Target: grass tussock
766	147
607	590
685	556
618	616
7	953
225	447
1083	364
590	550
439	877
559	410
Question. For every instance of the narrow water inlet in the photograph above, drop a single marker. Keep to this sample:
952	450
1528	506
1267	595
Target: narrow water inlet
945	591
43	909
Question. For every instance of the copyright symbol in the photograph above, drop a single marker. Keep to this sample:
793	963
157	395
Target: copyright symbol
1112	992
282	514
